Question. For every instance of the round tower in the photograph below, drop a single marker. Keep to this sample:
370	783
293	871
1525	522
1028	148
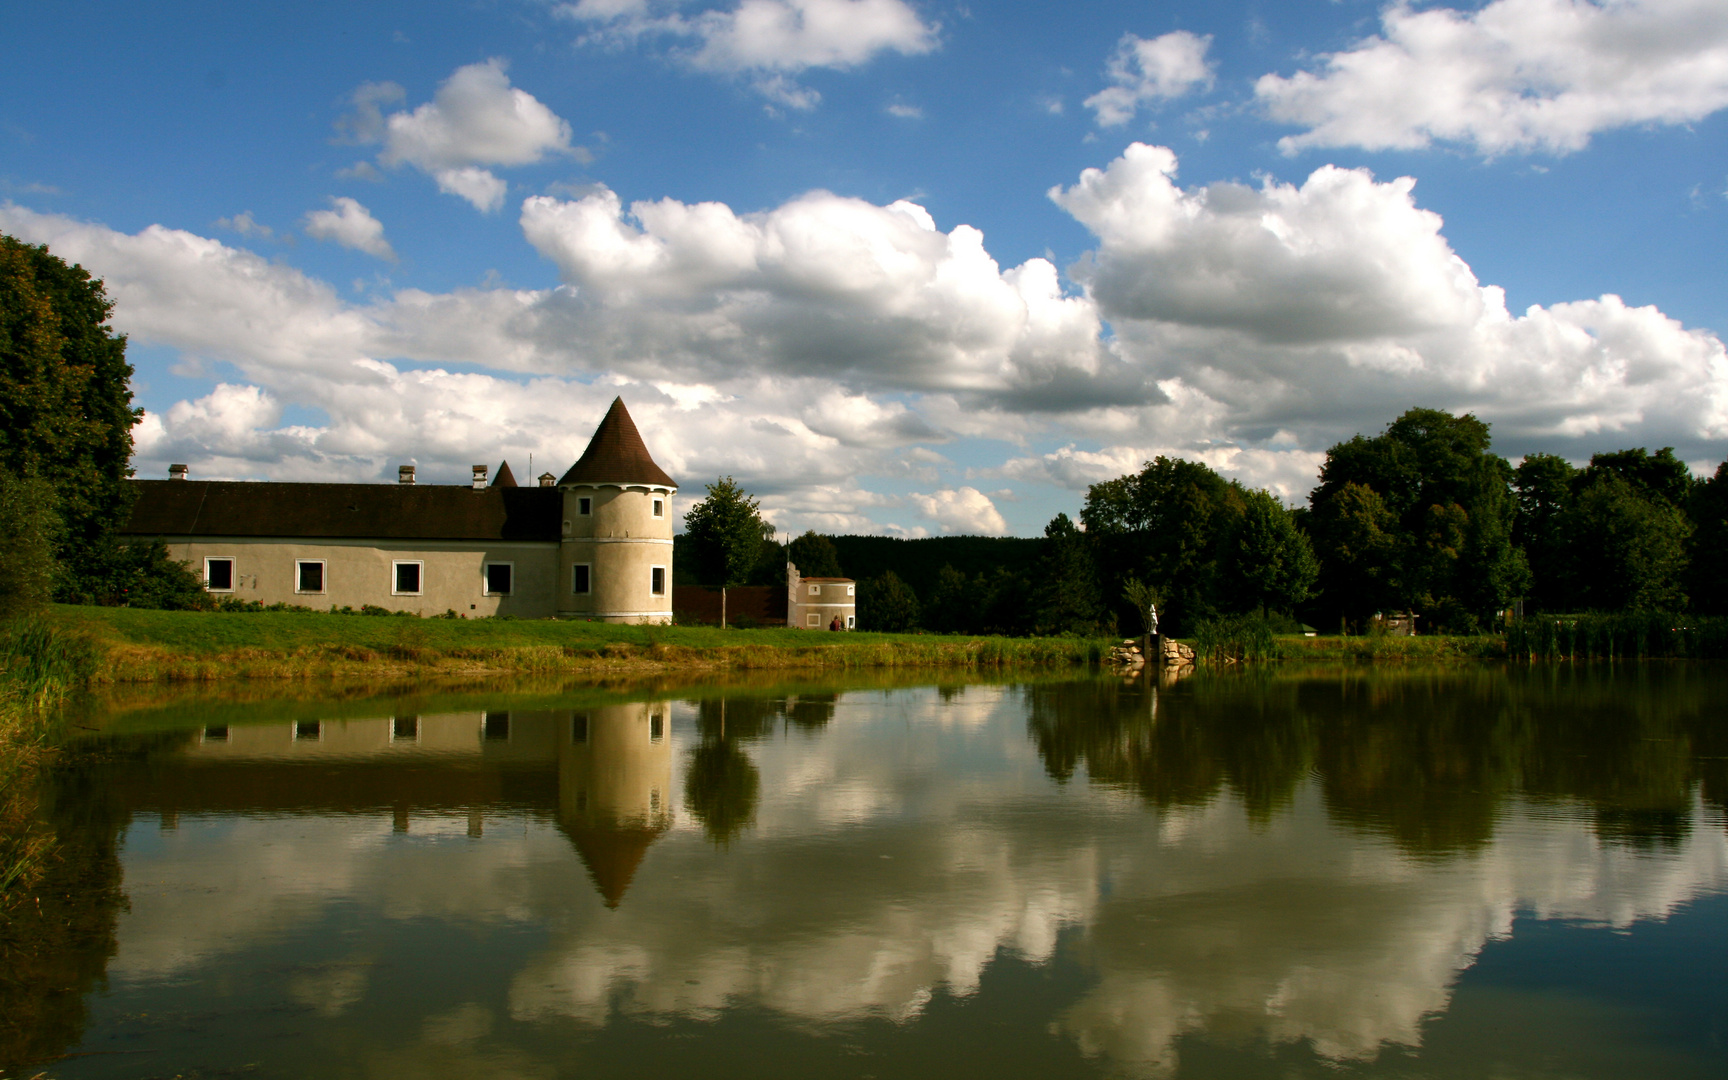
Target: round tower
615	563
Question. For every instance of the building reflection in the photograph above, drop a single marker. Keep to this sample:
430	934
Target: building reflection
604	774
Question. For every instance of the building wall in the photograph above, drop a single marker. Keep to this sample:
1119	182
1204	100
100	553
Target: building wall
621	541
360	572
814	604
615	766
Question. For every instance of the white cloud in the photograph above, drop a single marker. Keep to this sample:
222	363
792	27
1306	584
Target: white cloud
961	510
905	112
770	40
476	119
1148	72
246	225
1515	75
352	226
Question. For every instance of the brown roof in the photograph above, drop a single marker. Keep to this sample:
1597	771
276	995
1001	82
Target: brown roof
505	477
172	508
612	855
616	455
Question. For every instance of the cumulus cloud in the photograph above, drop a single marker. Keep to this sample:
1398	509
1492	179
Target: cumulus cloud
352	226
476	119
1513	76
1145	73
769	41
961	510
246	225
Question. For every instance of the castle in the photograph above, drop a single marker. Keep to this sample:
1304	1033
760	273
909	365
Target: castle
594	544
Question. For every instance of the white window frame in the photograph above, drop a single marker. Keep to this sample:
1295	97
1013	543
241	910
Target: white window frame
233	572
396	577
663	583
486	578
323	577
813	620
299	738
659	507
585	505
486	736
851	622
851	590
589	591
815	590
414	738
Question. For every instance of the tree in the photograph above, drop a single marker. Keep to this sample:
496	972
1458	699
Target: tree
814	555
1451	511
953	603
1627	547
1545	493
725	534
1066	586
887	604
66	412
28	529
1355	535
1709	549
1268	563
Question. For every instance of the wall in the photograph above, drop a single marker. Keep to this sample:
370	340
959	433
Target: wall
747	605
359	572
621	541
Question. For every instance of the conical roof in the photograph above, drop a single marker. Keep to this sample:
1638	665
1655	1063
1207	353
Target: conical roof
612	855
616	455
505	477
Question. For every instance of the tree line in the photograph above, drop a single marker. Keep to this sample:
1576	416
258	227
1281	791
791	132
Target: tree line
1422	518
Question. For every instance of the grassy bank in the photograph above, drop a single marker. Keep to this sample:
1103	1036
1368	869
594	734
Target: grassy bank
1628	635
175	646
40	667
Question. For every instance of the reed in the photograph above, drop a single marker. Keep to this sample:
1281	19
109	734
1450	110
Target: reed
1629	635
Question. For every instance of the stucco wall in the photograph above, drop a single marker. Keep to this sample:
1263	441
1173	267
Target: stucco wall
830	600
621	541
359	572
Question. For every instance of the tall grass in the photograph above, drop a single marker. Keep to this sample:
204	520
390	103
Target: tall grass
1231	639
40	667
1623	635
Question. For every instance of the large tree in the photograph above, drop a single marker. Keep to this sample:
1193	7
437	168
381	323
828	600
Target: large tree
1065	585
725	534
66	412
1451	511
1709	554
814	555
1266	563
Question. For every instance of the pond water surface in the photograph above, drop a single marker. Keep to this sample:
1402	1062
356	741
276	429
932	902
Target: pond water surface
1463	872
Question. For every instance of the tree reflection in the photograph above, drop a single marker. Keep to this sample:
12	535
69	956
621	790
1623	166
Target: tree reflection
1428	759
721	783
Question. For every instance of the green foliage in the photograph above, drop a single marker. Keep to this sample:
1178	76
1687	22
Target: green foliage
726	534
1709	549
887	604
28	529
919	562
1267	564
814	555
1627	549
1066	594
1234	638
142	575
1144	599
950	606
1619	635
66	412
1440	540
1545	496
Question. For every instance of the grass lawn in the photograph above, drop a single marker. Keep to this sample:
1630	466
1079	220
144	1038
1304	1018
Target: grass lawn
141	645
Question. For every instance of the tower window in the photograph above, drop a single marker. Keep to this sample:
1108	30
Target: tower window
584	506
581	579
659	507
657	581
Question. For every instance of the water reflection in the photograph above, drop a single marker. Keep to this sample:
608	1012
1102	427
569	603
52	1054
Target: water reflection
1302	864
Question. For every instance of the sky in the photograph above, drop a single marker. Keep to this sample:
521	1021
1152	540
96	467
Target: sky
897	266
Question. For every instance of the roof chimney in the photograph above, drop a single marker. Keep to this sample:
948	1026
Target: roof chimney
405	474
479	477
177	472
548	480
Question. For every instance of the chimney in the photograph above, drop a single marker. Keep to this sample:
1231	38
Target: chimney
548	480
177	472
405	474
479	477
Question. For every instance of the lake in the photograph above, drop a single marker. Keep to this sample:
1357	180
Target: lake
1466	871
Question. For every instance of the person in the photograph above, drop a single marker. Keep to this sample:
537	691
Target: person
835	624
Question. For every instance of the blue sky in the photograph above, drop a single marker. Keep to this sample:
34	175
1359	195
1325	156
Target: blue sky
851	252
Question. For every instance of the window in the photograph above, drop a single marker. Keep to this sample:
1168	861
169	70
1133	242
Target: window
659	507
581	579
584	506
309	576
815	590
310	730
579	728
497	726
656	728
657	581
813	619
851	590
498	578
219	575
851	622
216	733
405	729
407	578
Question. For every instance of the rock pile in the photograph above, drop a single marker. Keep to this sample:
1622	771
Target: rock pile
1176	653
1128	655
